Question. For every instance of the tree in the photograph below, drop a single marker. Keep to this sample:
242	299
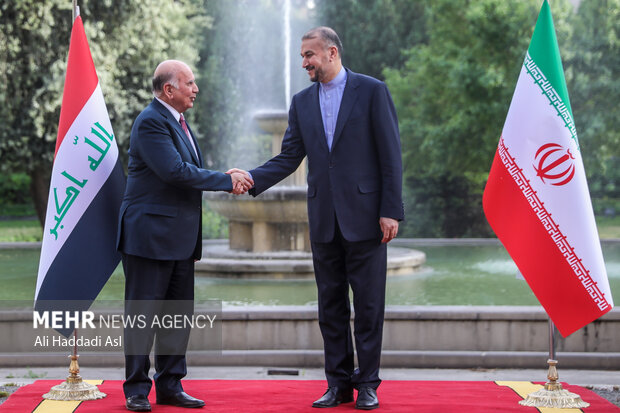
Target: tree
374	32
452	96
593	76
127	40
31	63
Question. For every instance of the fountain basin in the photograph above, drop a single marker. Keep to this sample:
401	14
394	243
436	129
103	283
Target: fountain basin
219	260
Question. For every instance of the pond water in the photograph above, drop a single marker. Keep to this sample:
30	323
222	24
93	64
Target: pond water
452	275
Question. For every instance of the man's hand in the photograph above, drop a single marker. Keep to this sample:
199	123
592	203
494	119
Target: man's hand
241	181
389	227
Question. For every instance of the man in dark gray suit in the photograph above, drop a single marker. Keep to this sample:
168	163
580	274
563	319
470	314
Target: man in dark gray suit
347	127
160	233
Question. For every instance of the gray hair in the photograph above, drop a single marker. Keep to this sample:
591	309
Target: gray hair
167	77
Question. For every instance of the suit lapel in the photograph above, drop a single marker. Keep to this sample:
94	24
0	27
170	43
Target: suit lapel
179	130
349	97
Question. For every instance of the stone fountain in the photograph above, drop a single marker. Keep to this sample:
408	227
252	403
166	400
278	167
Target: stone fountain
268	235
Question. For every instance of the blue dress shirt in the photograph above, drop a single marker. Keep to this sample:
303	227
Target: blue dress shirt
330	97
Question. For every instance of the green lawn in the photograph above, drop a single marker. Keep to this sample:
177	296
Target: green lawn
20	231
608	227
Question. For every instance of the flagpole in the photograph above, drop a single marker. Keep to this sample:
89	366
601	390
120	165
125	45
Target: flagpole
74	367
76	10
552	394
551	340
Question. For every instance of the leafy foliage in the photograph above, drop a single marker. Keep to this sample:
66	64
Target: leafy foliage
593	76
32	66
374	32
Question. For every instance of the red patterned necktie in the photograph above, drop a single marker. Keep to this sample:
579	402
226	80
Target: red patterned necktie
186	130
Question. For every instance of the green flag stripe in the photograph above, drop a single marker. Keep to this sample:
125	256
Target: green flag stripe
552	96
546	53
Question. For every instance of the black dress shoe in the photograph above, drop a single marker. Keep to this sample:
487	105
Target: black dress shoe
366	399
138	403
334	396
181	399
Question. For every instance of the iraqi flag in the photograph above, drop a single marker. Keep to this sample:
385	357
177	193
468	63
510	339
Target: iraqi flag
536	198
78	253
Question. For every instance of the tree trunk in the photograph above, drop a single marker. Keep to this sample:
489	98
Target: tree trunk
39	190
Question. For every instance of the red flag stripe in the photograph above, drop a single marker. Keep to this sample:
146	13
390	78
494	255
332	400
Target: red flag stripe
80	80
571	302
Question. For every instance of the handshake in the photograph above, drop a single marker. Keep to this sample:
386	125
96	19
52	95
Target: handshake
241	181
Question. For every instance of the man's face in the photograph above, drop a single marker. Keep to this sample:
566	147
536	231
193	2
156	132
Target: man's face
183	97
316	59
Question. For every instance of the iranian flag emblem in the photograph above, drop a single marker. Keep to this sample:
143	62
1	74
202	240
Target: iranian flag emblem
536	198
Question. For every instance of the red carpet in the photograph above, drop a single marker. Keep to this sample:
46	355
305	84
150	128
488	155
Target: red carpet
293	396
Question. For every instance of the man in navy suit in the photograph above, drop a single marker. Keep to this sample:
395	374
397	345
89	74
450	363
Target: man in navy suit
160	232
347	127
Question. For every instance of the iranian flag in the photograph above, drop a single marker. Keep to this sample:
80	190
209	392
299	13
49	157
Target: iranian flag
536	198
78	253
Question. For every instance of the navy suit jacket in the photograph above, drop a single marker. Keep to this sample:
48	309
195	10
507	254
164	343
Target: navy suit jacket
360	180
161	212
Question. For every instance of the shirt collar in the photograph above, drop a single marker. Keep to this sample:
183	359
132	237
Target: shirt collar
172	110
339	80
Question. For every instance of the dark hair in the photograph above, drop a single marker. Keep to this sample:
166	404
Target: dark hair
327	34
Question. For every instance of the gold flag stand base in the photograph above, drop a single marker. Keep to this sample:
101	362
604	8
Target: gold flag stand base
74	388
553	395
